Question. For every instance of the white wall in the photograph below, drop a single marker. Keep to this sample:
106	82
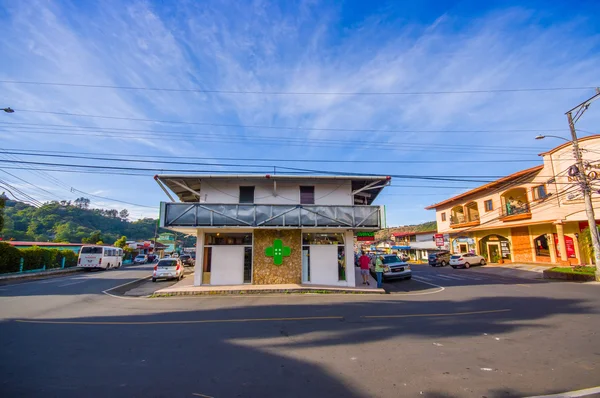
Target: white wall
424	237
227	265
324	264
332	192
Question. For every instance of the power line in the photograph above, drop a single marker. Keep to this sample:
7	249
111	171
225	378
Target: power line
214	91
113	200
154	160
212	124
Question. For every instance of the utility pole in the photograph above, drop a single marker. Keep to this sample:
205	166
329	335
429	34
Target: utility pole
583	178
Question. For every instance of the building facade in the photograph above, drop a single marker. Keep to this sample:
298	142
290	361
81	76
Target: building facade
273	229
535	215
416	245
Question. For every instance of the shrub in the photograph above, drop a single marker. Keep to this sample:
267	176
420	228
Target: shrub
9	258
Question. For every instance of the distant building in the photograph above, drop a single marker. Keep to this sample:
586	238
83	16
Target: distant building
417	245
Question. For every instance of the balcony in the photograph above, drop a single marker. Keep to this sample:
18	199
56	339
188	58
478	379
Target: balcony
464	216
270	216
515	213
515	205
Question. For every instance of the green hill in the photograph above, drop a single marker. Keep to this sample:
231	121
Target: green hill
425	227
67	222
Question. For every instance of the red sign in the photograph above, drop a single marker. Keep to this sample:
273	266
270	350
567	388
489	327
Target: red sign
439	240
569	245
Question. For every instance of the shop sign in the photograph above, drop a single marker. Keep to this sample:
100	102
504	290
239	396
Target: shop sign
504	248
278	251
439	240
365	236
569	245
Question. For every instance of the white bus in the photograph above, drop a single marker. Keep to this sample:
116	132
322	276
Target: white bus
102	257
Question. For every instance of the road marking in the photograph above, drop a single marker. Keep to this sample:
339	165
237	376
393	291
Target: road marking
432	315
450	277
125	284
308	318
73	283
429	283
197	394
569	394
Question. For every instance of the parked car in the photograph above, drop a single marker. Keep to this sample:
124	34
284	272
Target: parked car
393	268
466	260
140	259
186	259
439	259
151	258
170	268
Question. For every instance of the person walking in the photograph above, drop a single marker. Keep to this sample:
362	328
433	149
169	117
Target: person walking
364	262
379	270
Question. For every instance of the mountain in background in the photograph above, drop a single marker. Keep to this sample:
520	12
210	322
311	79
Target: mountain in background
72	222
385	234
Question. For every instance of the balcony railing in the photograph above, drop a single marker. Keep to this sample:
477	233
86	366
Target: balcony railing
463	222
515	212
270	216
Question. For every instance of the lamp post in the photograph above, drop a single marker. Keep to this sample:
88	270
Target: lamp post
582	176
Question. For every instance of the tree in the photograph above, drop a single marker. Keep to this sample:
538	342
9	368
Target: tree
112	213
82	203
124	214
93	238
121	242
2	204
65	232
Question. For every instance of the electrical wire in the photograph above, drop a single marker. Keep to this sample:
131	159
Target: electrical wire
369	93
273	127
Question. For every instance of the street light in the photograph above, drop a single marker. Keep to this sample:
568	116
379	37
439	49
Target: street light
541	137
8	110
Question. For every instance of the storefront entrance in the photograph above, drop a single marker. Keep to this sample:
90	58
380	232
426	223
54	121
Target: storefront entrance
493	252
227	258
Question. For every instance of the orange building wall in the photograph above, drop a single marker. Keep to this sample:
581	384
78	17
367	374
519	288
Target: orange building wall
521	246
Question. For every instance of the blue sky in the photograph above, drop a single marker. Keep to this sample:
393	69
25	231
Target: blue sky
291	47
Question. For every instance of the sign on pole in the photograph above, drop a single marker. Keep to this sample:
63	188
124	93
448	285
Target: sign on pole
439	240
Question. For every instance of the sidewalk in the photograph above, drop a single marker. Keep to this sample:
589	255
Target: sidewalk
186	287
38	274
526	271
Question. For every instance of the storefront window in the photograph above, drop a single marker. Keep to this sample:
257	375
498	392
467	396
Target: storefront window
228	239
542	248
322	239
495	248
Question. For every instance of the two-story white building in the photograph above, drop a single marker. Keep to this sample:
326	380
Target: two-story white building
534	215
272	229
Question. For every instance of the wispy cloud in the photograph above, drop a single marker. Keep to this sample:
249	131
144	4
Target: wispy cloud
305	47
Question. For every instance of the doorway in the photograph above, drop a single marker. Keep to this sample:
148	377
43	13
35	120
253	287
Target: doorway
463	248
494	252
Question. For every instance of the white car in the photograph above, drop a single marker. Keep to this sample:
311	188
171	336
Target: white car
466	260
170	268
141	259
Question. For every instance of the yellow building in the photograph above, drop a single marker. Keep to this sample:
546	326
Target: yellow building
535	215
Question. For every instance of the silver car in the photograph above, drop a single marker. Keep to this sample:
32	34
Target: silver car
393	268
170	268
466	260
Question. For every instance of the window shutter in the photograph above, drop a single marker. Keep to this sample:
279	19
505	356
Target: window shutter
307	195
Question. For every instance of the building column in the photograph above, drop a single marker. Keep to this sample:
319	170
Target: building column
199	265
349	251
560	232
552	246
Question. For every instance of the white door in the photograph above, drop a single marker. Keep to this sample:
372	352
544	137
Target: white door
227	265
324	264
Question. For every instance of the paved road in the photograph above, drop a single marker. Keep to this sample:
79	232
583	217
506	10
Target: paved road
479	336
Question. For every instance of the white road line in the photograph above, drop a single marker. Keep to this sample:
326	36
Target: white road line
429	283
449	277
125	284
422	277
73	283
569	394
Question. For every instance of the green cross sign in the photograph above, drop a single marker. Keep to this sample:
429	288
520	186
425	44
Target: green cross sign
278	251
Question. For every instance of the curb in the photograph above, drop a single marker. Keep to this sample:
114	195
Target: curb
568	277
39	275
258	292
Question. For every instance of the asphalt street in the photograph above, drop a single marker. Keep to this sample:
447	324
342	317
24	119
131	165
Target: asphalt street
446	333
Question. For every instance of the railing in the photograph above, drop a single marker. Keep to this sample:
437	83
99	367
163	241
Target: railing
265	216
459	222
522	209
